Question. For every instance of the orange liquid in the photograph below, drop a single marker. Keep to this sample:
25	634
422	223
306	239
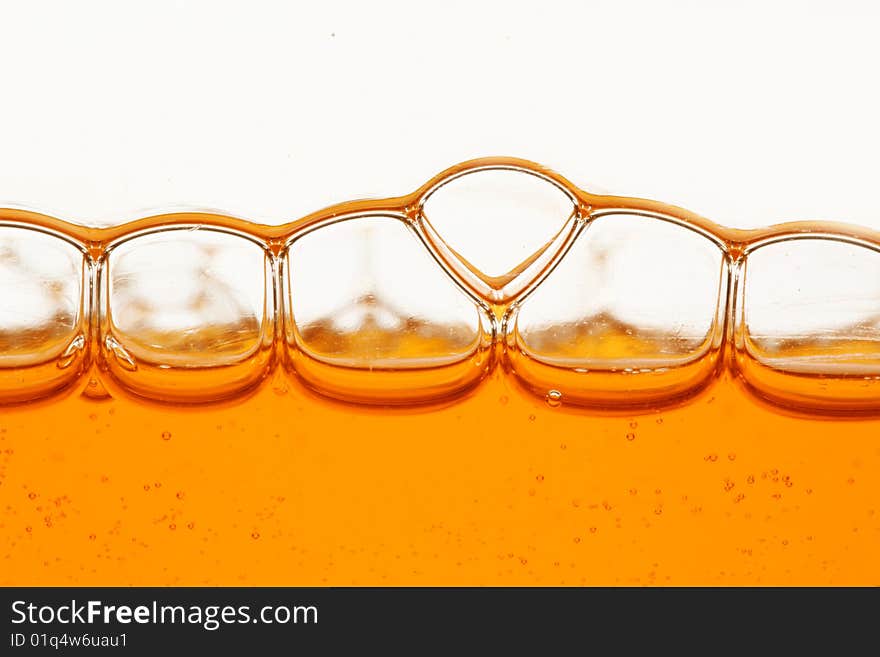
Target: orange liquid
499	488
492	485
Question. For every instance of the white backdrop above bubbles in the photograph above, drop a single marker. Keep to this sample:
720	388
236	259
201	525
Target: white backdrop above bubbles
751	114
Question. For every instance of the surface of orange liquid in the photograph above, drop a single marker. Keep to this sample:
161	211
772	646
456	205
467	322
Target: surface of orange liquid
494	484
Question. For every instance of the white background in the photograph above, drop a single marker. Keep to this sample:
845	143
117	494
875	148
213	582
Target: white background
750	114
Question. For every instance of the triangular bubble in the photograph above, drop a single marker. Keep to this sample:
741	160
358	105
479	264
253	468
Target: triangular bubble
496	223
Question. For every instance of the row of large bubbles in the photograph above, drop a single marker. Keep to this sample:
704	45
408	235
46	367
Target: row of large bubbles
615	308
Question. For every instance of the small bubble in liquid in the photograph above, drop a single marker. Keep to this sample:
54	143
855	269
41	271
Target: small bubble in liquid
711	458
94	390
659	420
92	537
166	435
180	494
540	477
172	526
532	418
554	398
630	436
190	525
633	424
255	535
32	496
731	457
